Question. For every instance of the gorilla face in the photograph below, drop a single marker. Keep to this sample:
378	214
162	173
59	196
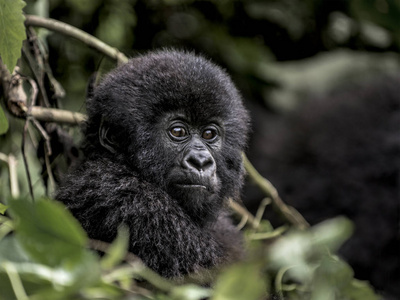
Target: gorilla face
193	178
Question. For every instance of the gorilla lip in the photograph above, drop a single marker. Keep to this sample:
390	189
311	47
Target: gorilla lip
191	186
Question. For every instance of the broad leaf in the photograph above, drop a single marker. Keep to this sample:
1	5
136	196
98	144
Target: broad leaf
10	250
242	281
332	233
44	282
12	31
48	232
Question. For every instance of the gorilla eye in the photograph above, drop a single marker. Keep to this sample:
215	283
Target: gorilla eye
209	134
178	132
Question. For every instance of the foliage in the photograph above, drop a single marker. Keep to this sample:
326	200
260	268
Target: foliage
12	31
46	258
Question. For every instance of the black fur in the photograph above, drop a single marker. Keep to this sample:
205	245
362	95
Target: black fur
130	185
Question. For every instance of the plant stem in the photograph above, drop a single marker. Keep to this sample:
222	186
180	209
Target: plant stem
68	30
288	212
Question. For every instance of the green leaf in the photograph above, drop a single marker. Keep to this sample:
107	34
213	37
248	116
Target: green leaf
11	250
3	124
360	290
3	207
331	277
332	233
44	282
242	281
48	232
12	31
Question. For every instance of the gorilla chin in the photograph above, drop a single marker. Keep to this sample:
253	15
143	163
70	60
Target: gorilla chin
198	196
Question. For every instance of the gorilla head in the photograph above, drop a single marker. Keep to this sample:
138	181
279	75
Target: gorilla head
178	121
163	139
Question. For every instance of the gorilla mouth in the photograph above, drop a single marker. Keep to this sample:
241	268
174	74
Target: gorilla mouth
191	186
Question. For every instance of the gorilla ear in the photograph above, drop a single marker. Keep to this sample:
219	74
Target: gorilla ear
105	137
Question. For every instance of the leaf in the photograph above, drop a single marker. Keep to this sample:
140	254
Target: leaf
334	279
48	232
190	292
12	31
3	207
44	282
331	277
3	124
332	233
360	290
6	226
10	250
242	281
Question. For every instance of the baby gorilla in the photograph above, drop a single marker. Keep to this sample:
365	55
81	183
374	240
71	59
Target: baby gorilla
162	154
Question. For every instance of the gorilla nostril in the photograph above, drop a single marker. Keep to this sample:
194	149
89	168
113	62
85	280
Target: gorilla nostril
199	162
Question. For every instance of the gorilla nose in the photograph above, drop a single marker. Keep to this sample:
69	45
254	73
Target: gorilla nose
200	162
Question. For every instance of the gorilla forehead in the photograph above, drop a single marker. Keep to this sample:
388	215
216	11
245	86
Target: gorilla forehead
165	81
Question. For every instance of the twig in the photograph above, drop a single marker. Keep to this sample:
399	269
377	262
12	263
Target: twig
103	247
55	115
78	34
12	169
28	175
45	136
15	98
289	213
34	94
49	172
243	212
138	266
268	235
261	209
242	223
35	63
15	280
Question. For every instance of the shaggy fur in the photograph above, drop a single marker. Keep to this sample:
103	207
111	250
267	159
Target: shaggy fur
130	186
